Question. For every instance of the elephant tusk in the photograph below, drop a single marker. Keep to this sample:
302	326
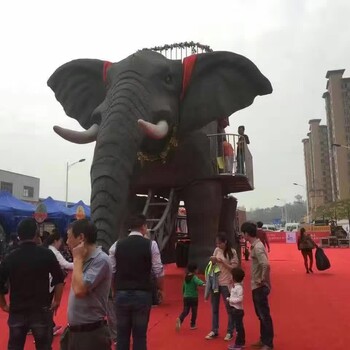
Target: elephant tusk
155	131
80	137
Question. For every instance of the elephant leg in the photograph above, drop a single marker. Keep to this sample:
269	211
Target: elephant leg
203	201
228	222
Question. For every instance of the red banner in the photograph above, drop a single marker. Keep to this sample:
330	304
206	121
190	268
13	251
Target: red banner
281	237
276	237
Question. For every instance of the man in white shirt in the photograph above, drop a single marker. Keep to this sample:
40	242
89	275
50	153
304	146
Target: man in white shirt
54	242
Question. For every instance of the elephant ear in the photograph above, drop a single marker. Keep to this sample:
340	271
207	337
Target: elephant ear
80	87
217	84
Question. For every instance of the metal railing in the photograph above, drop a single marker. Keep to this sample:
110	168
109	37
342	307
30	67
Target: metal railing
181	50
231	155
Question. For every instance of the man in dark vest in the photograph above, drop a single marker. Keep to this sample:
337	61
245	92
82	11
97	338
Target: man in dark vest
136	257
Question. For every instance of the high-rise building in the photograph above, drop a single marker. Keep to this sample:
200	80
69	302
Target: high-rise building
317	167
337	100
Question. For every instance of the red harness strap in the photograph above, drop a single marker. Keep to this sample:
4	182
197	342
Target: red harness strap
106	65
188	66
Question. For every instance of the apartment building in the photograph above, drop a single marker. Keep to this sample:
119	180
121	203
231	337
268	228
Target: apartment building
337	103
317	166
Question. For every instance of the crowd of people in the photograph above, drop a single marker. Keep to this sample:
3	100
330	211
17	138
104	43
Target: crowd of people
224	278
110	296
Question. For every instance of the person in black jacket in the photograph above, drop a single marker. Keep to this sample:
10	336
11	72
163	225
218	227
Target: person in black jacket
135	259
305	245
27	270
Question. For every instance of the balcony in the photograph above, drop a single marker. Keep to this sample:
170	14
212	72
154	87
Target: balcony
190	163
234	164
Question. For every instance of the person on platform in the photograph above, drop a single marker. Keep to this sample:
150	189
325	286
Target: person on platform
91	282
261	286
243	140
229	156
190	296
226	258
236	307
261	234
135	258
27	270
305	245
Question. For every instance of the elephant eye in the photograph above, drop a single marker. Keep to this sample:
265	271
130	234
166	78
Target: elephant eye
168	79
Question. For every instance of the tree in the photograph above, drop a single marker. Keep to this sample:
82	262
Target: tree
296	211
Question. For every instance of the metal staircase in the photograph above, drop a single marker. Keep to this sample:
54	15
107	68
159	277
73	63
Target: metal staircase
161	213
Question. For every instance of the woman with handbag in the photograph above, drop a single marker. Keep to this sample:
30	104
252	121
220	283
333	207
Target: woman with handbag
305	245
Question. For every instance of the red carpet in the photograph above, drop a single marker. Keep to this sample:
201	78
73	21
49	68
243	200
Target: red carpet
309	311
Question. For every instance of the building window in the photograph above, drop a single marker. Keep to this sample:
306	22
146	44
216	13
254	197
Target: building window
7	186
28	192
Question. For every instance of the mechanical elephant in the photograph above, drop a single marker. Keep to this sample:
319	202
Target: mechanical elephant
149	116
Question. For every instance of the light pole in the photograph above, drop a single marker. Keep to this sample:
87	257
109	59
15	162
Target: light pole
285	208
67	170
307	201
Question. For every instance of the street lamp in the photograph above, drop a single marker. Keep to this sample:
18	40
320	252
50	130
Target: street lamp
285	208
67	170
307	201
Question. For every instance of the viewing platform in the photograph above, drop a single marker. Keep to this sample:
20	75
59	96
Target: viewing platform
227	159
234	162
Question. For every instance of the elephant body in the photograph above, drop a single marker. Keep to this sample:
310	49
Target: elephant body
150	117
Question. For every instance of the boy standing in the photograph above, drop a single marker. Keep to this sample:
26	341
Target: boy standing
236	307
190	296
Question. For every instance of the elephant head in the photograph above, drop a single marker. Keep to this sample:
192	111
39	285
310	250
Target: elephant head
139	104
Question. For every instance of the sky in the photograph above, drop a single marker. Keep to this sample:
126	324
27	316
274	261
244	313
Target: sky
293	43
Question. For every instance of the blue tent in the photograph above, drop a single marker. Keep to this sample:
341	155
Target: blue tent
85	207
12	211
9	203
55	209
58	214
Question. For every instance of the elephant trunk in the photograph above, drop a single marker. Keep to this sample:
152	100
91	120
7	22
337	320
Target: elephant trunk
115	156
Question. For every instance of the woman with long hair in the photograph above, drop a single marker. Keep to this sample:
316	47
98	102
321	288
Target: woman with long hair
225	257
305	245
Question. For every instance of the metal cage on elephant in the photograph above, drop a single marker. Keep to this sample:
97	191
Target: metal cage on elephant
179	51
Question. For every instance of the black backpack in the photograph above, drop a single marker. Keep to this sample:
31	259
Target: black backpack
322	262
